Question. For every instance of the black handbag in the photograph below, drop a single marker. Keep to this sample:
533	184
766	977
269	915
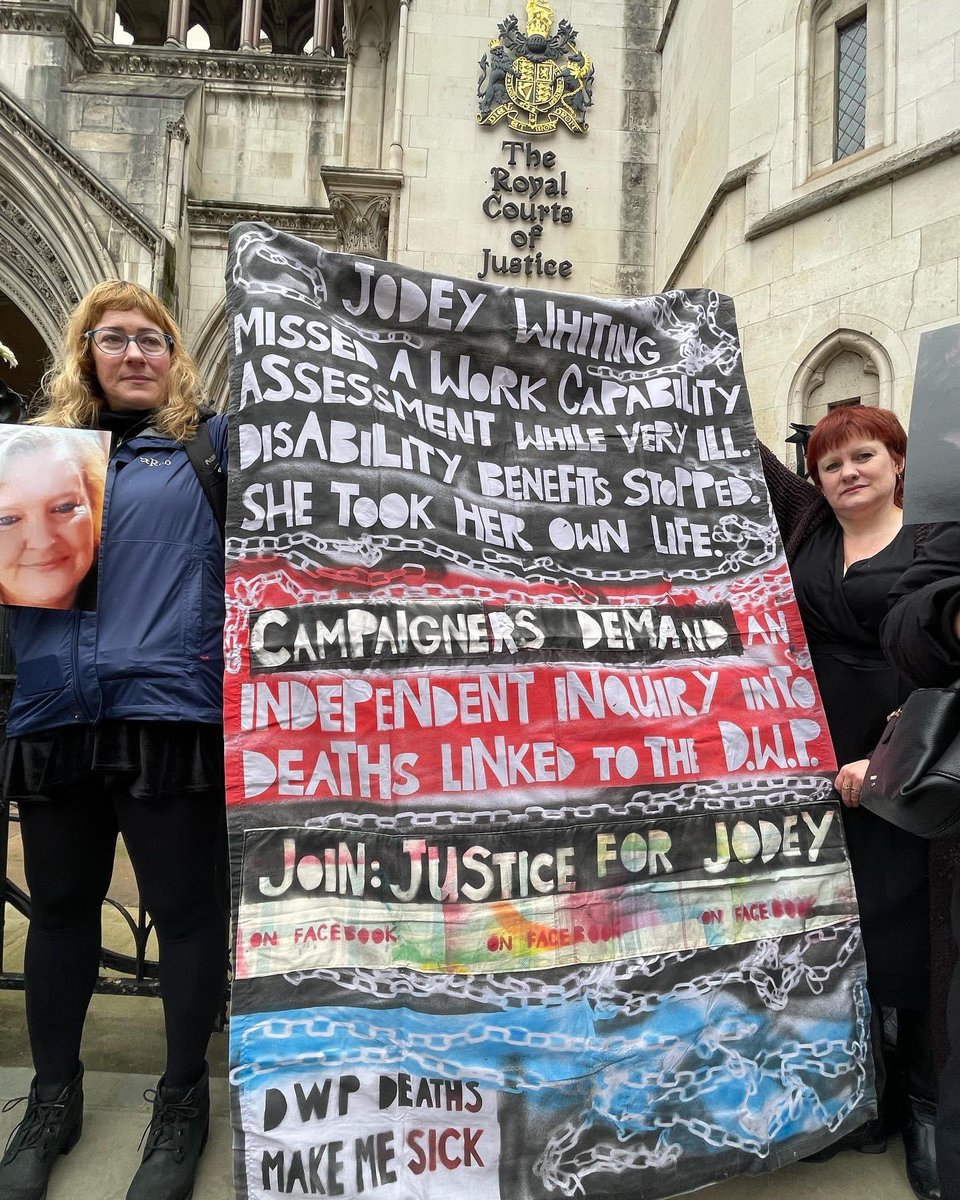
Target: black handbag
913	780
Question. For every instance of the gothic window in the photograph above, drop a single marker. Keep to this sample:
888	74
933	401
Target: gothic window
851	97
845	72
140	23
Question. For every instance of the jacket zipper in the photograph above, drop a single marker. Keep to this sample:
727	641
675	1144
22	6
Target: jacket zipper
107	501
75	662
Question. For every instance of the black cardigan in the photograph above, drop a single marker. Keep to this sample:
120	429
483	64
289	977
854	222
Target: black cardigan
918	635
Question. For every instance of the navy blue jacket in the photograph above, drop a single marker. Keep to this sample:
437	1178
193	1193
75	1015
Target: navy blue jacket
153	649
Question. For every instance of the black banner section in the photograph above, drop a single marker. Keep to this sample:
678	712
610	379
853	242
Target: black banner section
308	637
475	868
929	484
543	436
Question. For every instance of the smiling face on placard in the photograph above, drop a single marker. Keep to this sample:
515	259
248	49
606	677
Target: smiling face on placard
47	533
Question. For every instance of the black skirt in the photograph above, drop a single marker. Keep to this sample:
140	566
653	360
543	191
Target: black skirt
161	758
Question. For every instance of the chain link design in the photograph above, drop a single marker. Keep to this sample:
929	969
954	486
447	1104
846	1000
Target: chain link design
728	796
255	244
648	1104
749	545
611	988
667	1099
564	1169
402	583
762	591
694	355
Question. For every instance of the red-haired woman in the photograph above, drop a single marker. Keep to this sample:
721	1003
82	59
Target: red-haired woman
847	546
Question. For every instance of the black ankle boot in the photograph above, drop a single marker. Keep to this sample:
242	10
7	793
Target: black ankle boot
175	1141
918	1144
49	1128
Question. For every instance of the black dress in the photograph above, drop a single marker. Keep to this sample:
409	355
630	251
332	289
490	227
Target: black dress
842	615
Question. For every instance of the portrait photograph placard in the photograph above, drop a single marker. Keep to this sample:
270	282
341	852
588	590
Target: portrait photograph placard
51	511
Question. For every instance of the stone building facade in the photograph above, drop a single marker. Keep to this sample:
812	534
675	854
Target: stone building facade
700	147
837	264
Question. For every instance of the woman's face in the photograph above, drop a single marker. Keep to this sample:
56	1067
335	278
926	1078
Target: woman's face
131	381
47	540
859	477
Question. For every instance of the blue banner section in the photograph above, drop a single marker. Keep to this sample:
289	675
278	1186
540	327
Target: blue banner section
724	1076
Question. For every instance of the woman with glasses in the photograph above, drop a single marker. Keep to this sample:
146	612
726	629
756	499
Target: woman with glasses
115	727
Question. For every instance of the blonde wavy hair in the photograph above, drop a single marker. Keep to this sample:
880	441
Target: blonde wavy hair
71	389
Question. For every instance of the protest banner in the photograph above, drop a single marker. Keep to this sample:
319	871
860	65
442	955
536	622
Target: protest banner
541	890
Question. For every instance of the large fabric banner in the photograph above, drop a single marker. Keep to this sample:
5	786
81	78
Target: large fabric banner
540	888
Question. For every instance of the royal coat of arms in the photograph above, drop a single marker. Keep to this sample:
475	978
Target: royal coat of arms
535	79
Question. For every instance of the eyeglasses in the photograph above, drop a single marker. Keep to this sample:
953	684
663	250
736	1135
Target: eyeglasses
112	341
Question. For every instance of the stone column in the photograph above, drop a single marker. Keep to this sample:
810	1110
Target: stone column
328	27
320	10
175	173
178	22
103	21
251	18
383	49
350	50
396	146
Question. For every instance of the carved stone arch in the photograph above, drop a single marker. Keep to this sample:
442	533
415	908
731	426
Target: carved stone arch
863	334
210	353
213	19
301	31
50	252
30	289
370	15
809	375
126	13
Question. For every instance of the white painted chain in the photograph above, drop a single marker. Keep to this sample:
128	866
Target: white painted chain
773	973
563	1168
792	1065
730	795
750	545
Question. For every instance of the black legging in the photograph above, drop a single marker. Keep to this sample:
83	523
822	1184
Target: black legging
68	847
